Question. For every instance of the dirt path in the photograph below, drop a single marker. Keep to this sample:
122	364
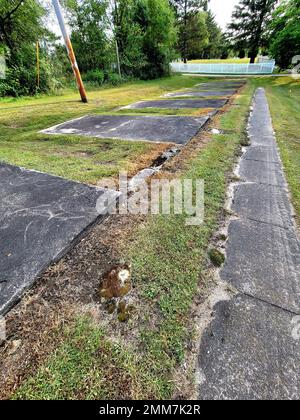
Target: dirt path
251	348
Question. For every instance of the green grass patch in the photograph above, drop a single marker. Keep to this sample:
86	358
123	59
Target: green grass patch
76	157
169	259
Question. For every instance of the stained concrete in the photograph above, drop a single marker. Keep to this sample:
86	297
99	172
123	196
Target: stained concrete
204	94
177	130
251	349
41	217
248	353
178	104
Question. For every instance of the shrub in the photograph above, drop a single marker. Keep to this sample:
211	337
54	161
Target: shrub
94	76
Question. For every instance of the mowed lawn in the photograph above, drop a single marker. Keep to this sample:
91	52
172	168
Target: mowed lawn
220	61
79	158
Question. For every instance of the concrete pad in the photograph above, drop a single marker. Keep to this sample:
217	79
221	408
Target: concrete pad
263	203
219	86
263	260
262	172
178	104
262	153
197	93
248	353
41	217
166	129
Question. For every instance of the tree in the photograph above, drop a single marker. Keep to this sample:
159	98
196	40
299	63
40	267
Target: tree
157	22
198	38
284	33
87	19
128	36
249	22
185	11
21	26
213	48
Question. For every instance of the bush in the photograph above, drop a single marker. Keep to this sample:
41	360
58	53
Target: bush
94	76
113	78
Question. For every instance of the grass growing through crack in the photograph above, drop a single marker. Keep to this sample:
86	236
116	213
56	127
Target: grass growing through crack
168	259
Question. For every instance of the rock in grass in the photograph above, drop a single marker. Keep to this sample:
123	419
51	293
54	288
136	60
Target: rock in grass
216	257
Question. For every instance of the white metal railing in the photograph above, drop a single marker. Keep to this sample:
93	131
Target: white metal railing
257	68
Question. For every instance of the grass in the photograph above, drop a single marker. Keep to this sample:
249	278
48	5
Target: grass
75	157
220	61
169	261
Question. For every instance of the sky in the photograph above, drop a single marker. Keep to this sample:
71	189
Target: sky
223	10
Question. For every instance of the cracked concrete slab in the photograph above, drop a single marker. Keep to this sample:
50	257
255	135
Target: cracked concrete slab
263	260
251	348
262	153
41	217
263	203
249	353
262	172
179	104
158	129
204	94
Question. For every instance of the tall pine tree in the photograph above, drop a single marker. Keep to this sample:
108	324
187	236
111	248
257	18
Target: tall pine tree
249	21
186	10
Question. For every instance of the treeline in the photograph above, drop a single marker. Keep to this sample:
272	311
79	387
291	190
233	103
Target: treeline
116	40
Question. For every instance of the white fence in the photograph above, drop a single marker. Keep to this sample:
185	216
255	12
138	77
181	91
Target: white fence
258	68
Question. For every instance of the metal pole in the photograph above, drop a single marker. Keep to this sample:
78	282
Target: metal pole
38	64
70	50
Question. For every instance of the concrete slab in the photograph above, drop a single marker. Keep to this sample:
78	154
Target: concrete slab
263	260
178	104
248	353
177	130
262	172
262	153
41	217
263	203
199	94
220	85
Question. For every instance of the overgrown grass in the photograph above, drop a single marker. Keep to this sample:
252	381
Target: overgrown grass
75	157
169	259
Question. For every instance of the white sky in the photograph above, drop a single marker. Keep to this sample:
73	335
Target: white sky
223	10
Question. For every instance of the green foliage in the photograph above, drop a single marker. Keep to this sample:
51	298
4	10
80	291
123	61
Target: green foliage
249	22
157	23
198	38
21	26
214	47
94	76
88	22
285	33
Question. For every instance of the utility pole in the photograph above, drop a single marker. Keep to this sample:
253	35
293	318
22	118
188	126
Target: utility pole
70	50
38	65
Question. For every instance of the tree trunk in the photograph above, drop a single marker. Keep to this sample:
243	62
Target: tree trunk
252	59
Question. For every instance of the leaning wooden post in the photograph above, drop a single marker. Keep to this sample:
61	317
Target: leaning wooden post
70	50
